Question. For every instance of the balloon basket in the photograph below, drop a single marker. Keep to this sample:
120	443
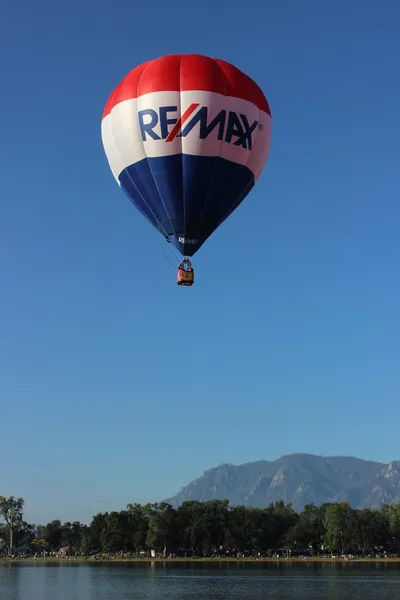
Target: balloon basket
185	275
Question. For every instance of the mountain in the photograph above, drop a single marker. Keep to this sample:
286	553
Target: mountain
300	479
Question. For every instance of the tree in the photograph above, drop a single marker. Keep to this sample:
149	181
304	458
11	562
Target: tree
161	519
341	523
71	535
392	515
137	527
53	534
11	509
237	533
86	540
96	527
23	536
308	531
194	531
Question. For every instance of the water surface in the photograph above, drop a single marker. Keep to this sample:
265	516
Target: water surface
188	581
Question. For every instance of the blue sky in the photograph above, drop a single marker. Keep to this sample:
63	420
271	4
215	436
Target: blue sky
117	386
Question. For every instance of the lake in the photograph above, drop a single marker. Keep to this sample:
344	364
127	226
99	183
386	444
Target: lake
188	581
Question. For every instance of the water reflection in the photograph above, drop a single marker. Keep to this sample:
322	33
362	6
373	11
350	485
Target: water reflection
222	581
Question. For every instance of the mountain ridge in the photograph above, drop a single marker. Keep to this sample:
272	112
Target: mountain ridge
298	478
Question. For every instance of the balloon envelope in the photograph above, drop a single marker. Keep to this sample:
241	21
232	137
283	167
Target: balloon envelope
186	137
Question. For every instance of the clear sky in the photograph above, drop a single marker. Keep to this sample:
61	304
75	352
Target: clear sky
116	385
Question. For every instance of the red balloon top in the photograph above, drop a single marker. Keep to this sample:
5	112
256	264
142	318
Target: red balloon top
183	72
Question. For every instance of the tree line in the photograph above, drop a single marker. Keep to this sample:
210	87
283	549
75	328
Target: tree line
212	528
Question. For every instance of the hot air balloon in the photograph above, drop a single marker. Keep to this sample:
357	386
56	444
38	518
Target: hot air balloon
186	137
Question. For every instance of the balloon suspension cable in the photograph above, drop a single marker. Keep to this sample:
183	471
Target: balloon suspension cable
167	259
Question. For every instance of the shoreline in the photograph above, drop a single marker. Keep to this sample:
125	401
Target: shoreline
173	561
